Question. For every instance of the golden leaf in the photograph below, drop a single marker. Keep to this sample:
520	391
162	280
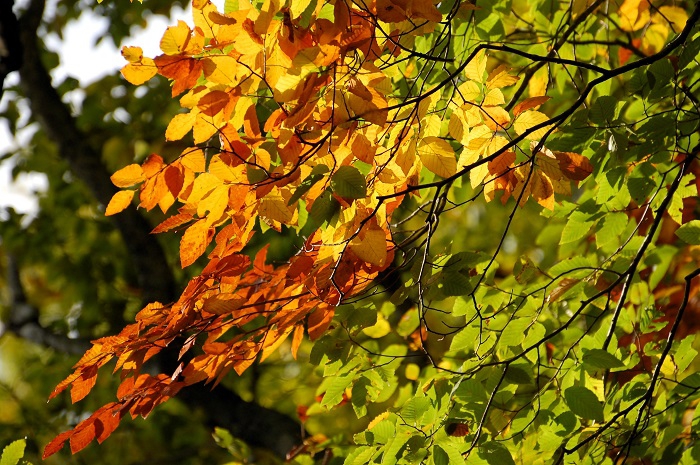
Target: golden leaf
175	39
477	67
274	207
119	202
372	248
128	176
193	158
180	125
530	119
499	78
438	156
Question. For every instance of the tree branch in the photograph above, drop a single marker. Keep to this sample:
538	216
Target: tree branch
10	44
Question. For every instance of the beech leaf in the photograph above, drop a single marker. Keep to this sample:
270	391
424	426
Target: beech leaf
119	202
348	182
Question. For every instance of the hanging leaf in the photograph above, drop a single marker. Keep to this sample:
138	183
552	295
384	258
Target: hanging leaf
348	182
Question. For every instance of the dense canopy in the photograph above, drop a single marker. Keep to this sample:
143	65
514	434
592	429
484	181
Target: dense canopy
388	231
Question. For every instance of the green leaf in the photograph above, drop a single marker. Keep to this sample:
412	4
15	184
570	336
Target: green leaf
599	358
584	403
13	452
496	453
454	284
514	333
322	210
603	109
348	182
471	390
574	230
414	409
519	373
610	228
690	232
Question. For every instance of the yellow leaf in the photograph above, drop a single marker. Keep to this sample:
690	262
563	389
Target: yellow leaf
372	248
529	119
538	83
478	174
456	126
297	7
431	125
467	92
495	118
221	69
175	39
140	69
494	97
675	15
634	15
119	202
203	128
542	190
128	176
214	203
438	156
193	158
274	207
138	73
476	67
132	54
267	12
225	172
180	125
500	77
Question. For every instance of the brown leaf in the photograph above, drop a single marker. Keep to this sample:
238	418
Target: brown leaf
574	166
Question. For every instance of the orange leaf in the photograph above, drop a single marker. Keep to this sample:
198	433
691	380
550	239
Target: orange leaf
128	176
172	222
194	242
528	104
296	340
319	321
119	202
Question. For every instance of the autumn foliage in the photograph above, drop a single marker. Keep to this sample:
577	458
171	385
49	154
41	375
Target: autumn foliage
299	121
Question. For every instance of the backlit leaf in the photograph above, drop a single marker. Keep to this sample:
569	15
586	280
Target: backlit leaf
438	156
529	119
690	232
371	248
119	202
128	176
348	182
584	403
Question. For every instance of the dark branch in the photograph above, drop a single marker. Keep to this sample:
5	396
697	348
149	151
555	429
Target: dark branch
10	43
